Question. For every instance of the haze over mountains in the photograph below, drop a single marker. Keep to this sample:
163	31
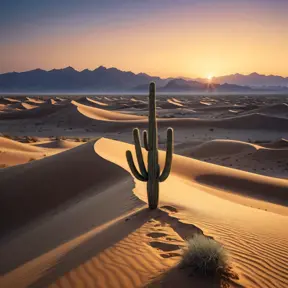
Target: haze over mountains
253	80
112	79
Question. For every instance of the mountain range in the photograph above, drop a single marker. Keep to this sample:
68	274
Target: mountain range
252	80
112	79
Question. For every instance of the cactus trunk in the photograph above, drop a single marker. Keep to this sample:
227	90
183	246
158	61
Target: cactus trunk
153	166
152	176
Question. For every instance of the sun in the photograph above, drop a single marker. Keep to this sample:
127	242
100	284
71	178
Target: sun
209	77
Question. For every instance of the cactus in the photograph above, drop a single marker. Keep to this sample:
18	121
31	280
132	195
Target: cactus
151	175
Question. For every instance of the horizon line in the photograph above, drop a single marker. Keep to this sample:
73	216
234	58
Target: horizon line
161	77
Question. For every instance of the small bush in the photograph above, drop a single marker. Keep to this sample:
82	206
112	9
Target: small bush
204	256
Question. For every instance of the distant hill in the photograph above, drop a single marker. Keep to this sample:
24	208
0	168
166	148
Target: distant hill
252	80
112	79
191	85
68	79
181	85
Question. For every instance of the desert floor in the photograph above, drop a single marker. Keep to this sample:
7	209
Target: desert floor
72	215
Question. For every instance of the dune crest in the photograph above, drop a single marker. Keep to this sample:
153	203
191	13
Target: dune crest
226	221
75	216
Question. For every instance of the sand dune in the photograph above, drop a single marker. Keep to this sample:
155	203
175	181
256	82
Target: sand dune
80	219
59	144
139	245
275	110
73	183
248	122
29	106
15	106
14	157
176	100
175	103
66	113
264	160
10	100
97	102
18	107
217	148
100	114
234	225
15	153
6	143
38	112
282	143
216	176
139	101
34	100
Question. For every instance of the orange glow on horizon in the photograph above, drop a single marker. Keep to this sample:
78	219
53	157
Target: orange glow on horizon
171	44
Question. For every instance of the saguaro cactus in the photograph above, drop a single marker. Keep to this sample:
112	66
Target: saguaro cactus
151	175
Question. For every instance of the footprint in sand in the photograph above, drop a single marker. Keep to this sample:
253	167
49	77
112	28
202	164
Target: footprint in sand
169	255
156	234
165	247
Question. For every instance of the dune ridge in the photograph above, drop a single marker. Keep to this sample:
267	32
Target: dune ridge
267	159
68	165
80	219
130	257
253	247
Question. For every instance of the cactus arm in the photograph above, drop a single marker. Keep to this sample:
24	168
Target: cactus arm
145	140
138	151
169	154
133	168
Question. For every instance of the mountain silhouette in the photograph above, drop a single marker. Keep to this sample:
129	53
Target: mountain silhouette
176	85
252	80
104	79
69	79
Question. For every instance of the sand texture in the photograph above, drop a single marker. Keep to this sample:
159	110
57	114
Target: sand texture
73	215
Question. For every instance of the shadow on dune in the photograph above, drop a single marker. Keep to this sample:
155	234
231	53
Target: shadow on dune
262	191
30	190
112	235
57	199
178	277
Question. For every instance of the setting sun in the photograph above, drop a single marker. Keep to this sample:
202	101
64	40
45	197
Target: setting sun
209	77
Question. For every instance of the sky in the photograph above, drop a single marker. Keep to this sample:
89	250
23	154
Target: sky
167	38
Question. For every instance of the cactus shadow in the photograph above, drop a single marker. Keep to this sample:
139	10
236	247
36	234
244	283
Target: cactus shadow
95	245
177	276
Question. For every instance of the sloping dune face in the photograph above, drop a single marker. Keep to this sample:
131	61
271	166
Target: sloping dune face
269	160
99	235
93	231
14	145
34	100
274	110
62	172
217	148
59	144
97	102
37	112
175	103
15	153
282	143
258	260
101	114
